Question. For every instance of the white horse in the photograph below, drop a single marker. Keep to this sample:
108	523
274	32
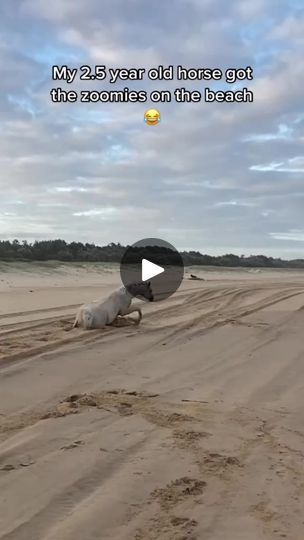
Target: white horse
100	313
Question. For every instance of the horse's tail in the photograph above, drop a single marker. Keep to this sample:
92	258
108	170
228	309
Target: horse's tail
78	319
76	323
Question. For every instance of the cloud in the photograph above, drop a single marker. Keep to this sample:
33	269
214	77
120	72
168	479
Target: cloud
210	176
221	204
293	235
292	165
283	133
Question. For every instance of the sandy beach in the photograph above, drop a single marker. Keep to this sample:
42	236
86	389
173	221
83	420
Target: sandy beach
187	427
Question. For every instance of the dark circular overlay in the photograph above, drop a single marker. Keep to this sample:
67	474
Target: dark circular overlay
157	252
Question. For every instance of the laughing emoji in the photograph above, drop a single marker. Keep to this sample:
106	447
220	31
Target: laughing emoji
152	117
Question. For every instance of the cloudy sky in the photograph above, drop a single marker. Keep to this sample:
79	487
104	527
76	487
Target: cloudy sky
217	177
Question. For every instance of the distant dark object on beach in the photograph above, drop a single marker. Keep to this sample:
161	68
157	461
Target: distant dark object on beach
192	276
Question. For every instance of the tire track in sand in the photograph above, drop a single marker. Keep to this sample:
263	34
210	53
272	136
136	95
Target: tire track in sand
25	340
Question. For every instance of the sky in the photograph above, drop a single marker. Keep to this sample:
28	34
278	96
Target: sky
213	177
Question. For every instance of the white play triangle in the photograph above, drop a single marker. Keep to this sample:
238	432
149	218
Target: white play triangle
150	270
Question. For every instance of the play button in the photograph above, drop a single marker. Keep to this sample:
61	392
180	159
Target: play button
150	270
155	260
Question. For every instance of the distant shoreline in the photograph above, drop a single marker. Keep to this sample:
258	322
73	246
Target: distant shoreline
77	252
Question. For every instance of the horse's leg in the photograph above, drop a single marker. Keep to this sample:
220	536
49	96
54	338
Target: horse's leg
115	322
130	310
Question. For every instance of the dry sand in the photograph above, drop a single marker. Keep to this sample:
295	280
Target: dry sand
188	427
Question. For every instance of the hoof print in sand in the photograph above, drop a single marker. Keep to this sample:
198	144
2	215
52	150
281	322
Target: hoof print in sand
178	490
8	467
74	444
219	462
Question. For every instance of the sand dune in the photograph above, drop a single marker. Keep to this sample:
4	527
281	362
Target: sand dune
189	426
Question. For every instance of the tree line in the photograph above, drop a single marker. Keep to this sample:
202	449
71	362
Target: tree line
59	250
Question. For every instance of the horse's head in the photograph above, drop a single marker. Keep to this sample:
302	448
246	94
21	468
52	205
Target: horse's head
143	289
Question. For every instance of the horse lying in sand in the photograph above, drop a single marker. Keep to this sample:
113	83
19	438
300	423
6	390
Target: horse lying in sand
100	313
